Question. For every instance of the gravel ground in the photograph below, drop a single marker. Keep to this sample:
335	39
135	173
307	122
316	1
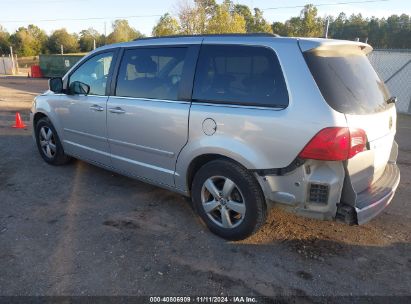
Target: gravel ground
82	230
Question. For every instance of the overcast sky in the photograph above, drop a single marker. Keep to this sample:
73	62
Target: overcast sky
16	13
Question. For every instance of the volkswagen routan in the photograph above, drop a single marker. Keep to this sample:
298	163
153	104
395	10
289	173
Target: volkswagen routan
236	122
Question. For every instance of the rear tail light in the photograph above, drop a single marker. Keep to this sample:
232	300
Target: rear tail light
358	142
335	144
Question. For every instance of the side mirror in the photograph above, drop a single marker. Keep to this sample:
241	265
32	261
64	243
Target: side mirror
79	88
56	85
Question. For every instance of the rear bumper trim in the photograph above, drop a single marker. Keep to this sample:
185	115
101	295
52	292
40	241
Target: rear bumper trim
371	204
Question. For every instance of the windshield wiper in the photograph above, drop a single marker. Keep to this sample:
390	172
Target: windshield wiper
392	99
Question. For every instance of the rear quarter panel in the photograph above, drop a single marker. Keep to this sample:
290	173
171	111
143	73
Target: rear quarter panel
261	138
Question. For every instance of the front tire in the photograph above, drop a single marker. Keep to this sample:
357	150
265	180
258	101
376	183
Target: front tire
48	143
228	199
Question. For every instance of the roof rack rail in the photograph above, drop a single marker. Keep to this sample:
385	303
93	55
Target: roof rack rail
214	35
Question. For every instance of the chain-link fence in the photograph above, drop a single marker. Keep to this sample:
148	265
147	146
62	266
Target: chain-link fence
394	67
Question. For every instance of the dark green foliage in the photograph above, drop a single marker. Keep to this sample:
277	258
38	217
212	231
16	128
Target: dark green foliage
393	32
206	16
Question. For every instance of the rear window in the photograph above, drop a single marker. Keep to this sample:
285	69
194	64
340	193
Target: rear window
153	73
243	75
348	82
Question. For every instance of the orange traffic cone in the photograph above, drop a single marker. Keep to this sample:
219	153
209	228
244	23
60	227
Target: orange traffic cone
19	122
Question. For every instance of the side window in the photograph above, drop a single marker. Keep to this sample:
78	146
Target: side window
153	73
244	75
94	72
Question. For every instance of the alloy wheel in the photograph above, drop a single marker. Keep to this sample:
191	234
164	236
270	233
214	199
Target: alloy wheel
223	202
47	141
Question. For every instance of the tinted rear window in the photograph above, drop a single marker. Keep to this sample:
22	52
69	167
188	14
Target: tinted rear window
243	75
348	82
153	73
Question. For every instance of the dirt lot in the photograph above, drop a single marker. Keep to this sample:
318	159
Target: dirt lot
82	230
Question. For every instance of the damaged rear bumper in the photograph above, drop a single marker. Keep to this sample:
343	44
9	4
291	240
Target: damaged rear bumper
378	196
292	191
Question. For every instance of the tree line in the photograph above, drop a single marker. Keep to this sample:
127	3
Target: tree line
208	17
32	41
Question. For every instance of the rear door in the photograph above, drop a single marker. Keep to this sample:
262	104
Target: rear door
350	85
147	119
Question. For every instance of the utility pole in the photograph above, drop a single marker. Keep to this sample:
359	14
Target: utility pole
17	65
4	64
62	49
13	65
327	24
94	44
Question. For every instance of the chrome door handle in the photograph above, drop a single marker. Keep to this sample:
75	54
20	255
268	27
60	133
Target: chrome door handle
96	108
117	110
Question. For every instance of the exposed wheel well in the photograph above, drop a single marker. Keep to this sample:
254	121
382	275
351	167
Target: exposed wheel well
200	161
37	117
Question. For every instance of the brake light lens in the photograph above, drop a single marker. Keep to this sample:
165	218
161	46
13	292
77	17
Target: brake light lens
335	144
358	142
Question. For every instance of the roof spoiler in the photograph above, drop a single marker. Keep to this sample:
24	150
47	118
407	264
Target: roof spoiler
334	46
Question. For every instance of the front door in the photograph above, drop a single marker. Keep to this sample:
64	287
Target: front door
147	119
83	116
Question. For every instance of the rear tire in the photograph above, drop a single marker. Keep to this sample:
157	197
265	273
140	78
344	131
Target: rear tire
48	143
228	199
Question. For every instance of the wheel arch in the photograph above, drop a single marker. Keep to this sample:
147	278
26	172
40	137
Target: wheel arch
198	162
41	112
51	116
198	152
202	159
37	116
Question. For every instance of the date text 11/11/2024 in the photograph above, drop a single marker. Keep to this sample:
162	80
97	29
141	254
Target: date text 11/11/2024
203	299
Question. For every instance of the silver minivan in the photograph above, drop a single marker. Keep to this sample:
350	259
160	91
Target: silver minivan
236	122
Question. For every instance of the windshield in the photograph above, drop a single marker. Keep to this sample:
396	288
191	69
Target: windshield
348	82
